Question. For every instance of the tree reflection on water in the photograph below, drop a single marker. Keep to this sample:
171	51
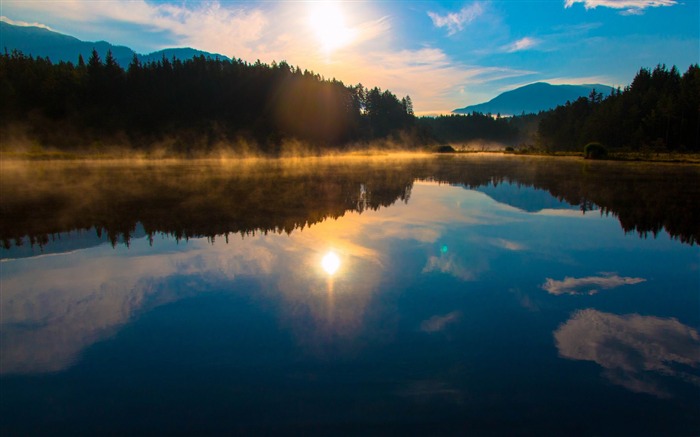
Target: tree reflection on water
188	199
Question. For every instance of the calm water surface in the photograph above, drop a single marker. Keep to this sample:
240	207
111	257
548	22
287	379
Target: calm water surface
431	296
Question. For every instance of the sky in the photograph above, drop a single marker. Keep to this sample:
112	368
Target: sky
445	55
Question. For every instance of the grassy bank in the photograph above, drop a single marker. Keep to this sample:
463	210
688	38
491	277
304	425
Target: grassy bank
680	158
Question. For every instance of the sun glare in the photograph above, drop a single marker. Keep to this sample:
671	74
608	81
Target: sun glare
327	20
330	263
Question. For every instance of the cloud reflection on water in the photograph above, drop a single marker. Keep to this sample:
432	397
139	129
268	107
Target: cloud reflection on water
440	322
588	285
84	297
635	351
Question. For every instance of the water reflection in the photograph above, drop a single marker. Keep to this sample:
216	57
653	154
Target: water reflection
432	310
454	265
53	307
588	285
635	351
440	322
84	296
330	263
209	199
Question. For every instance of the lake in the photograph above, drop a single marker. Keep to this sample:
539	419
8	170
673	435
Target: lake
409	295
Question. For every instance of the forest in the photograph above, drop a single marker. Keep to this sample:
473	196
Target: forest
659	111
192	106
203	104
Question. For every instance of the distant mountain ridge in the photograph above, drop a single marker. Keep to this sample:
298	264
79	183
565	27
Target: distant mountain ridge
40	42
533	98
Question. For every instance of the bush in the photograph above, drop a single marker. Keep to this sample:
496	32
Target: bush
510	149
445	149
595	151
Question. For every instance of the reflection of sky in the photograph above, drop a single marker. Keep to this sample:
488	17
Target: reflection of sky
454	242
634	350
589	284
526	198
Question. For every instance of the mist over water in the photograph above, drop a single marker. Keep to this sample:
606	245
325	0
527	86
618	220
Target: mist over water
405	294
210	197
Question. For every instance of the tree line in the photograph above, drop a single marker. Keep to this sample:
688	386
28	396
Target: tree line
456	128
658	111
195	104
200	104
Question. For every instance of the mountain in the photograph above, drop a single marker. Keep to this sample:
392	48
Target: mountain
40	42
526	198
533	98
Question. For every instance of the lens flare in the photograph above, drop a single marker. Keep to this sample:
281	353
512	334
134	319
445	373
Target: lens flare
330	263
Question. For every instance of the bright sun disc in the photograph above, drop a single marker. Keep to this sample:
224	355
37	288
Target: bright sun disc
330	263
328	22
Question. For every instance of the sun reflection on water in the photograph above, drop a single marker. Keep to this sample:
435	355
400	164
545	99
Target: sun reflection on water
330	263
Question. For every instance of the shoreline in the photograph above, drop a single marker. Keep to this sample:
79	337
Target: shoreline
667	158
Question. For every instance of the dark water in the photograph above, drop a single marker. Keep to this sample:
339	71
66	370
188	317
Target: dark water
489	296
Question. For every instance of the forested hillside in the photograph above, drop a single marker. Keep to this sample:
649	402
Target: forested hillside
659	111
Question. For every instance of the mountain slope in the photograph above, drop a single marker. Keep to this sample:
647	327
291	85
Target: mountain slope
40	42
533	98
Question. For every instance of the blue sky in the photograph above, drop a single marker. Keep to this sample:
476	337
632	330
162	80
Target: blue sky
444	55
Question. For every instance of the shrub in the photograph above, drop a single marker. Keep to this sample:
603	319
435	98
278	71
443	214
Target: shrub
446	148
595	151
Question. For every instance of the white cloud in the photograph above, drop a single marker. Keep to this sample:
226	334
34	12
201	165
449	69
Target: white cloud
210	26
521	44
587	285
633	349
455	21
627	7
23	23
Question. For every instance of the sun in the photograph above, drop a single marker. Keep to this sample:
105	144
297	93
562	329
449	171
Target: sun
330	263
327	20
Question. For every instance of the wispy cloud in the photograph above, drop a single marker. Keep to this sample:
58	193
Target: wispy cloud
508	244
428	74
449	265
579	80
521	44
456	21
439	323
626	7
224	28
424	391
23	23
587	285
